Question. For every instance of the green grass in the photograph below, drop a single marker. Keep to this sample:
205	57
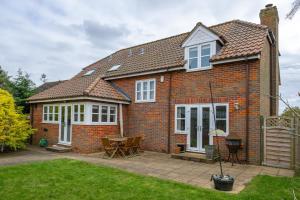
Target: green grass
70	179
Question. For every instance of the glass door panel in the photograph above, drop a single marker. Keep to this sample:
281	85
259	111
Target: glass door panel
62	124
205	126
194	128
68	139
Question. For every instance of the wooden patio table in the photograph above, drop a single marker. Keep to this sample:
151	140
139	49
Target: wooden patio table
118	150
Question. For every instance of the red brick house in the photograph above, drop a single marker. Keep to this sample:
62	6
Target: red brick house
161	90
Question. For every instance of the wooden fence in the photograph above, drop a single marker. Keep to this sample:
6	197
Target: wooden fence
281	142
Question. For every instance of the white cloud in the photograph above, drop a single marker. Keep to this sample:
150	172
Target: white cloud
61	37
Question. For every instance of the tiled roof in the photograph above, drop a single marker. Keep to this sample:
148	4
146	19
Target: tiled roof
241	39
47	85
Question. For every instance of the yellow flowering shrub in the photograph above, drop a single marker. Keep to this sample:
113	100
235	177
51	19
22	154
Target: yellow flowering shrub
14	126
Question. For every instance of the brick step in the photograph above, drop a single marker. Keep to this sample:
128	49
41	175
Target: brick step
196	157
59	148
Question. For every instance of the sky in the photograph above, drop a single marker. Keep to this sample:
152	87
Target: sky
60	37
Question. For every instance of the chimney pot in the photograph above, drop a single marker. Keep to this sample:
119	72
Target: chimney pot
269	5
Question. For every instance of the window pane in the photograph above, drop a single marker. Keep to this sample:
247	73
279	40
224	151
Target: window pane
180	112
193	63
205	61
46	109
112	110
81	117
221	112
138	96
56	109
81	108
205	50
95	109
151	85
104	118
76	108
138	87
180	124
193	52
145	86
75	117
104	109
104	113
151	95
56	117
112	118
50	117
221	124
50	109
95	118
45	117
145	95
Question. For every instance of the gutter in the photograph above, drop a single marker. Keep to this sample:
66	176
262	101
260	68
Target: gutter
257	56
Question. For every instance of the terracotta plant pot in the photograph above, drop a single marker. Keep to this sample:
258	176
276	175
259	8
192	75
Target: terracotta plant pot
177	150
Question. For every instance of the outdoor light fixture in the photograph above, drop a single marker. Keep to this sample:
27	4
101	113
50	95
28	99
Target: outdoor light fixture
236	106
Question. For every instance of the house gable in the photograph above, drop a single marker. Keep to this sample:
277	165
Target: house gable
200	35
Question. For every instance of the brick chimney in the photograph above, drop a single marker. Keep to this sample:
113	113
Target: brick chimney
269	17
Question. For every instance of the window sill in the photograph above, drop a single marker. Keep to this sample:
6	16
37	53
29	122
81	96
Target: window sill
104	124
45	122
153	101
199	69
180	133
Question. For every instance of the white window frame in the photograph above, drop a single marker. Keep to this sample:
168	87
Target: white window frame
199	47
185	119
79	113
148	91
53	114
109	106
212	123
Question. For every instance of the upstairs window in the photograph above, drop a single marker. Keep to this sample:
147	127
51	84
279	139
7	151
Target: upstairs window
198	57
145	91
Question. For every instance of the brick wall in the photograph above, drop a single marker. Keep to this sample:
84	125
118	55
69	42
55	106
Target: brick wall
229	86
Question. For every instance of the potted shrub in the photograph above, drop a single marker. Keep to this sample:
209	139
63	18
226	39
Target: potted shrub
221	182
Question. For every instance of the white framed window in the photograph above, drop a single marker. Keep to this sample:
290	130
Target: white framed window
104	114
199	56
222	115
180	119
78	113
50	113
145	90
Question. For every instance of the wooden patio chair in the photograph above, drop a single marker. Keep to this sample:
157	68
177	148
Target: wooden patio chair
136	145
128	146
108	147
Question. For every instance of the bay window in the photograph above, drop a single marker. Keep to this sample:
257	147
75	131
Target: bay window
50	113
78	113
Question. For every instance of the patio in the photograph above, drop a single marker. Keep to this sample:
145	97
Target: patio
158	165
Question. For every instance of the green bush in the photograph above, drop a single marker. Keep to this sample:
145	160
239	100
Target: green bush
14	126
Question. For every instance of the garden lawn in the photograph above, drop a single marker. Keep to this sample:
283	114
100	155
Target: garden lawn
70	179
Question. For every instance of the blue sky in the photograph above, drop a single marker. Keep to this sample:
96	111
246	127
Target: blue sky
59	38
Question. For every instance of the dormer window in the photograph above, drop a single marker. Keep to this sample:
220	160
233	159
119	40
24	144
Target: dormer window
198	56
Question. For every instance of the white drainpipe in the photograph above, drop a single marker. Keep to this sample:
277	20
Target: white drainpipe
121	120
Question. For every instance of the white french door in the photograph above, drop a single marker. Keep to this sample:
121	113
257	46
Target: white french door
198	127
65	125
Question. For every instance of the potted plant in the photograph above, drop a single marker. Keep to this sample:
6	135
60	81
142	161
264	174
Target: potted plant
43	141
221	182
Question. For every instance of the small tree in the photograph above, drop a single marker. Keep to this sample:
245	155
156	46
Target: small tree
14	127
